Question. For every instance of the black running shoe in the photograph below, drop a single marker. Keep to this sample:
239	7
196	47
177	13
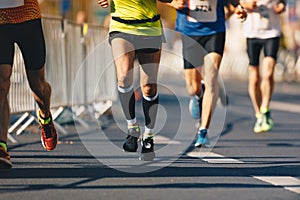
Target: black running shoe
147	153
130	144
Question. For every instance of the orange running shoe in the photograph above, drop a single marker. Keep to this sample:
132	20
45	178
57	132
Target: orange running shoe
49	135
5	162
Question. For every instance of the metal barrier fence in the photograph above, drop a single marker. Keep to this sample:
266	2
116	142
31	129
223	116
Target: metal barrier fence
68	46
56	61
23	101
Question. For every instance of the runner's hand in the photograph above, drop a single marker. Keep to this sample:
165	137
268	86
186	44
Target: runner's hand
241	13
103	3
279	8
177	4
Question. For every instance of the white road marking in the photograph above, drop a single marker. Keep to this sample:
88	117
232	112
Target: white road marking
287	182
211	157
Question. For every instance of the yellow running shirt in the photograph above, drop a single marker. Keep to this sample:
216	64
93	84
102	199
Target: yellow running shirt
135	10
29	11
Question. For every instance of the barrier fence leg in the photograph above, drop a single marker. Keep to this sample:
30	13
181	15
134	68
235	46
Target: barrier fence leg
78	110
14	126
18	122
60	129
25	125
11	138
81	122
75	113
57	113
102	107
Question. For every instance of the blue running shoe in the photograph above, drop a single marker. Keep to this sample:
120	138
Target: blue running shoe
195	105
201	138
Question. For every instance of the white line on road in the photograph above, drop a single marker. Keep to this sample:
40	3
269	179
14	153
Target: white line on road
211	157
287	182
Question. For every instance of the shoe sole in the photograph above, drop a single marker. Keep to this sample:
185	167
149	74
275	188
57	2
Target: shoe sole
129	151
205	144
262	130
258	131
202	145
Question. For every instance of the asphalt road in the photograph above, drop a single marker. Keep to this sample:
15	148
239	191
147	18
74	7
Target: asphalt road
89	163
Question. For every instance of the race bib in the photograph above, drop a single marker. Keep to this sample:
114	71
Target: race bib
11	3
202	10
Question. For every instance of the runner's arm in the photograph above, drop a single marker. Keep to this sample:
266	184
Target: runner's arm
229	10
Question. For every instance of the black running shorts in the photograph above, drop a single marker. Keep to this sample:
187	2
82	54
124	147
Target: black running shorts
30	39
196	47
255	45
142	44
